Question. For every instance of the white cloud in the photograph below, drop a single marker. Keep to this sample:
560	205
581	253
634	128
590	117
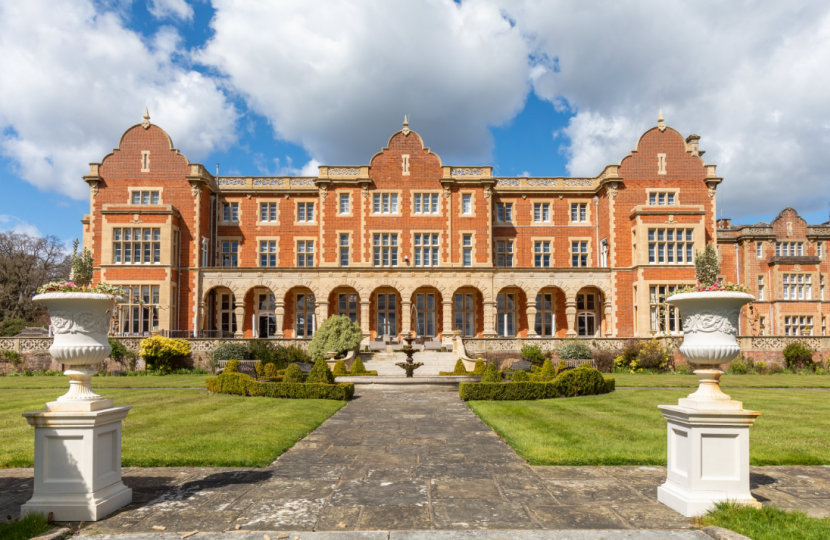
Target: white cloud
75	78
749	77
175	9
339	77
14	224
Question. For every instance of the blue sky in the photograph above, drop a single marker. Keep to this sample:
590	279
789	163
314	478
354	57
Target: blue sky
275	88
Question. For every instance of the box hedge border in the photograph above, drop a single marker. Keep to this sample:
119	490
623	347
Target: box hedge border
572	383
239	384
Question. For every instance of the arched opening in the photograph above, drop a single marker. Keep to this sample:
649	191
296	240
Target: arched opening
588	317
345	301
384	312
511	312
468	312
427	312
300	320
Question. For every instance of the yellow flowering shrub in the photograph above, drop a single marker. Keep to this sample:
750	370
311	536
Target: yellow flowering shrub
162	353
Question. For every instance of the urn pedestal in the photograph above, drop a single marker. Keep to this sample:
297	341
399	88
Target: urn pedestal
708	432
78	436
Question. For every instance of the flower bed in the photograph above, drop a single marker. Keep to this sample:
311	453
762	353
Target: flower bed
240	384
583	381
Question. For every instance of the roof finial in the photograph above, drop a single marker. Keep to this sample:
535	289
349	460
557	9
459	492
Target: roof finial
146	122
661	123
405	129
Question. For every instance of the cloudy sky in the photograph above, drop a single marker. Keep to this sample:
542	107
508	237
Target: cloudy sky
532	87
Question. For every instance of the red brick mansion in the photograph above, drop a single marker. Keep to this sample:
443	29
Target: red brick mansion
408	242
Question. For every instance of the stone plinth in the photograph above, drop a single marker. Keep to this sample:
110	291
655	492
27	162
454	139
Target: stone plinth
77	463
708	459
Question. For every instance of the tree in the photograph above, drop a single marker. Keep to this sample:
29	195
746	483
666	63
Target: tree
26	263
707	268
337	333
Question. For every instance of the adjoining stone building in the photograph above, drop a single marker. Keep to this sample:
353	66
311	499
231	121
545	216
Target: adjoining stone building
404	242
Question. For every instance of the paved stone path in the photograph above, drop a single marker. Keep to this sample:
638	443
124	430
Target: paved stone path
403	460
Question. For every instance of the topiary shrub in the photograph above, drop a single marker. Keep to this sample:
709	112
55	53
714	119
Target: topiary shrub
459	368
340	369
271	372
519	376
798	355
707	268
604	360
232	366
574	349
337	333
491	375
548	370
479	367
226	351
534	354
163	354
260	369
357	367
574	382
320	373
561	367
293	374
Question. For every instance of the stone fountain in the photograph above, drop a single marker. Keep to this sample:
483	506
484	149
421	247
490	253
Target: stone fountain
409	366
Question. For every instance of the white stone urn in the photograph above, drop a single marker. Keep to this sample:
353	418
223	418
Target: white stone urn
710	325
80	323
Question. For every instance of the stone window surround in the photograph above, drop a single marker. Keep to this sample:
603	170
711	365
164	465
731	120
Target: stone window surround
222	202
473	261
512	223
662	163
762	282
442	259
143	159
269	200
406	165
338	234
643	322
239	239
533	241
316	257
674	191
513	239
132	189
372	194
107	241
316	202
779	286
639	232
588	239
401	254
165	289
422	192
589	212
258	252
472	194
338	193
543	223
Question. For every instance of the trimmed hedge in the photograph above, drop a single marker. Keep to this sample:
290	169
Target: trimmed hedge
372	373
239	384
572	383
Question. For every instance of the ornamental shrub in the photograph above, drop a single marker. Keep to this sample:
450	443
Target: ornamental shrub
707	268
534	354
120	353
320	373
232	366
12	357
229	383
337	333
479	367
761	367
226	351
574	349
798	355
340	391
653	356
459	368
741	366
548	370
271	372
283	356
340	369
519	376
604	360
574	382
293	374
162	353
260	369
262	350
561	367
357	367
491	375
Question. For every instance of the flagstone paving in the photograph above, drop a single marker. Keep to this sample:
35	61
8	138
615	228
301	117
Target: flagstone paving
403	460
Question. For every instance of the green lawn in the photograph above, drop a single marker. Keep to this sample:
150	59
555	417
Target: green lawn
173	428
61	382
26	528
626	427
768	523
727	381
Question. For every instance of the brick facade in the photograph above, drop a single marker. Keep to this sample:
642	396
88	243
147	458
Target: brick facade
663	188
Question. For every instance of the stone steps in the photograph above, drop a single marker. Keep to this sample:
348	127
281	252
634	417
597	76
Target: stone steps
434	362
